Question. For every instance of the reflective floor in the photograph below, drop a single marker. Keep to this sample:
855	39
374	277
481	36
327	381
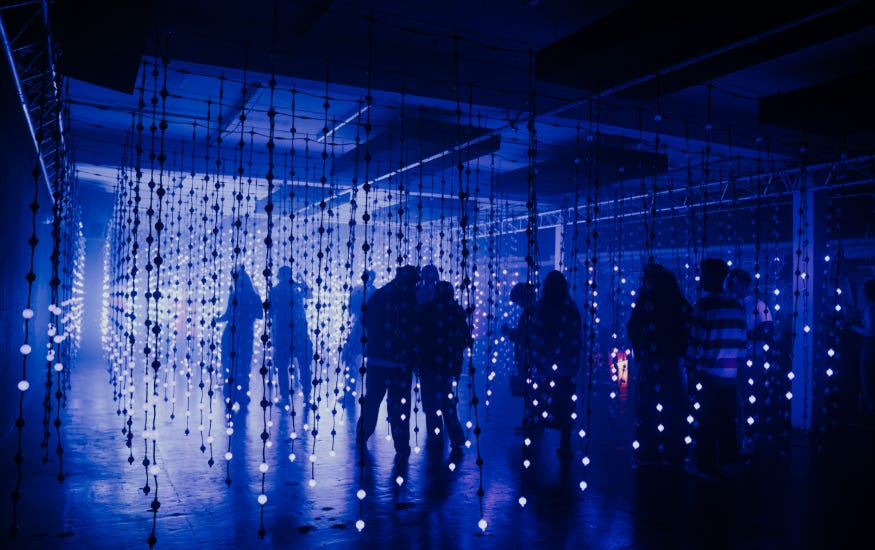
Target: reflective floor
794	495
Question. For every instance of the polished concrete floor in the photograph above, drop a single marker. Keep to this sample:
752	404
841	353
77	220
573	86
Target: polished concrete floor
796	494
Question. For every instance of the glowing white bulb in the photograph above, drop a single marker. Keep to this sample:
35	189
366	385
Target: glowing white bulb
59	367
292	457
635	444
361	494
25	349
312	483
27	313
399	481
154	469
360	524
583	486
527	463
452	466
789	395
523	501
23	385
482	524
263	467
229	455
262	499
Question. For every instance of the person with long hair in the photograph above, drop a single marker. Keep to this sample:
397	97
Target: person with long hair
659	328
556	344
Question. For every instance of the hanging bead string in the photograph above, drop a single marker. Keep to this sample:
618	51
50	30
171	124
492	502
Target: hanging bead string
590	318
53	346
215	285
73	250
158	260
615	254
135	246
492	287
759	360
474	293
366	258
160	237
531	279
833	310
148	376
173	238
115	258
265	403
209	282
27	314
772	276
692	238
151	325
329	289
401	239
291	260
350	284
190	293
317	361
467	286
800	292
234	369
467	272
703	185
575	252
325	290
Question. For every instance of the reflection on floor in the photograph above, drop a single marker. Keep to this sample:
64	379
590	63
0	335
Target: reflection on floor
797	496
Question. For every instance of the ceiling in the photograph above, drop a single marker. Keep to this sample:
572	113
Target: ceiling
627	93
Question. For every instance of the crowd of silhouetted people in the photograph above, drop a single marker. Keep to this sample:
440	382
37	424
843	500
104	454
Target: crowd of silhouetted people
697	382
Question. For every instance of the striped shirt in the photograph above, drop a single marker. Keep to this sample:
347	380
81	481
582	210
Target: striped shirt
718	335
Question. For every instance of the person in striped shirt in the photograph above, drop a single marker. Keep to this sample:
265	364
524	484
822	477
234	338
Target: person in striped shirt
717	347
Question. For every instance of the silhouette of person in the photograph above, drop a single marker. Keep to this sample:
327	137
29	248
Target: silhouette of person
289	334
717	348
556	344
352	348
389	324
758	316
244	307
522	295
658	328
302	345
866	328
444	335
429	277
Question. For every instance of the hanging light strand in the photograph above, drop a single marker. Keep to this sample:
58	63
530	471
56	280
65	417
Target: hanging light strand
366	258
